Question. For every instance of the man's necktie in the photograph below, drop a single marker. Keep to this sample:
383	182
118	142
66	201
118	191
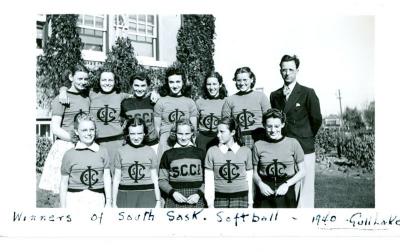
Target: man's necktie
286	91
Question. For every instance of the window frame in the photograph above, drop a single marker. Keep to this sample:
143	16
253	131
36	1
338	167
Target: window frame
126	24
103	30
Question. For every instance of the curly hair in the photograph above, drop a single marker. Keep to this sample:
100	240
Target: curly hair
99	72
273	113
186	89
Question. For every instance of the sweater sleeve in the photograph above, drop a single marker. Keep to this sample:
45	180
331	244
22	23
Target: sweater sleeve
57	109
158	108
163	178
265	104
66	164
117	161
106	158
208	161
255	155
249	163
201	189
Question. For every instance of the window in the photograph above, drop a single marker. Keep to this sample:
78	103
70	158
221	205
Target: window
91	30
43	127
142	30
39	35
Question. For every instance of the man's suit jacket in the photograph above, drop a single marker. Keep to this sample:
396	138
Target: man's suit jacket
303	114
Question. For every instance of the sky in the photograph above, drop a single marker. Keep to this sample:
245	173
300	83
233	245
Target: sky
335	52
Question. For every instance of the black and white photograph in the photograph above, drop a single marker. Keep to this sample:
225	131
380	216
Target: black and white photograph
155	121
316	138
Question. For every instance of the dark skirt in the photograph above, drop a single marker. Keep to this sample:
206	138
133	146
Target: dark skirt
171	203
231	202
136	199
275	201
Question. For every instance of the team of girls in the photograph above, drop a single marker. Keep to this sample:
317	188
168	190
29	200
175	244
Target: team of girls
224	125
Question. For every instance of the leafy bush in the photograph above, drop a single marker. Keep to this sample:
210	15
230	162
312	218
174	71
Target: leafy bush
357	146
195	49
43	145
156	75
61	52
359	149
122	61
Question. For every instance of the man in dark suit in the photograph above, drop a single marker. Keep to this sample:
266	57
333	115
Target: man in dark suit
303	119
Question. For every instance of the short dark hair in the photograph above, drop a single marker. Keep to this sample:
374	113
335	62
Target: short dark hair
222	90
287	58
140	76
246	70
273	113
78	67
133	122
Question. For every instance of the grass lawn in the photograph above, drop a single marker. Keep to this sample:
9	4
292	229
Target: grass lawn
341	191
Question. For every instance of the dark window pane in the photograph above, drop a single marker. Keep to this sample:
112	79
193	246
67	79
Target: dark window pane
142	18
39	43
150	19
44	129
142	28
99	22
89	20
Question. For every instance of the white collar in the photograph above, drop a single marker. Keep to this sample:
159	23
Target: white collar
81	146
291	85
224	148
180	146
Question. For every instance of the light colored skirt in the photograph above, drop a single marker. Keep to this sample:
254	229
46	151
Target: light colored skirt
112	149
85	199
163	145
51	176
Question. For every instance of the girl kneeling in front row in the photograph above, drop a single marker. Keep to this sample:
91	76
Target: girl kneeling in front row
85	170
135	182
182	170
229	169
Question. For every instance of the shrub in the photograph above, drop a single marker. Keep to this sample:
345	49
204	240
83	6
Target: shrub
61	52
195	49
358	147
43	145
